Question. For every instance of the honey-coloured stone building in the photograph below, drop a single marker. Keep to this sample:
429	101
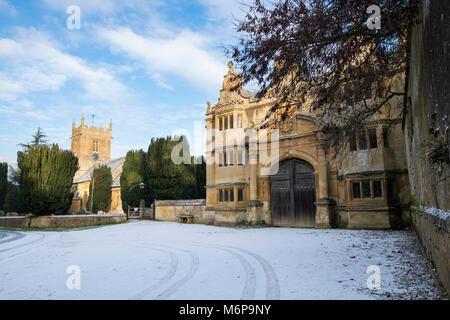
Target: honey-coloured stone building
365	185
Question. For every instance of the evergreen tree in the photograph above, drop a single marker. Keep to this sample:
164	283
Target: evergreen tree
100	189
132	174
166	180
12	201
3	183
38	139
46	177
198	168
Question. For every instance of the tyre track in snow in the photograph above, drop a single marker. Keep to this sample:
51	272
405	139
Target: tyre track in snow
174	262
42	236
273	285
249	291
193	268
15	236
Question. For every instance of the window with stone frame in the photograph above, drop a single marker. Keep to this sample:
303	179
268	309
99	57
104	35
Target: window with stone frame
376	187
239	158
220	159
352	142
385	137
239	121
373	142
367	189
366	193
240	195
354	93
356	190
226	195
95	145
364	139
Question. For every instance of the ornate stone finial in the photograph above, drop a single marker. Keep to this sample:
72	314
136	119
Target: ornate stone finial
208	110
110	125
82	120
100	128
73	124
230	67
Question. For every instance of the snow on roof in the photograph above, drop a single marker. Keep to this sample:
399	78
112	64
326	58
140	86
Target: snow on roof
112	164
116	182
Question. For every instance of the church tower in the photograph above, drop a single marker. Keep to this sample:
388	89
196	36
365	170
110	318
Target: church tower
90	145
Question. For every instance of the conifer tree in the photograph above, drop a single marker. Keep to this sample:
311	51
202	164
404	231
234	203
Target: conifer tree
167	180
12	200
3	183
100	189
132	174
38	139
46	178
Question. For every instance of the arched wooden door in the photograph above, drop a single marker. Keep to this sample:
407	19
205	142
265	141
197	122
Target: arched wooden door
293	195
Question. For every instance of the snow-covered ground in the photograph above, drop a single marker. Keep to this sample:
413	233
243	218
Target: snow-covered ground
157	260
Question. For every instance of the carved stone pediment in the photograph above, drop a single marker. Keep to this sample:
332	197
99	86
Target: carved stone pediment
233	92
228	98
287	126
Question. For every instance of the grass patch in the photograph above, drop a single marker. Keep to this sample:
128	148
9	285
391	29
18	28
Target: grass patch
95	226
247	225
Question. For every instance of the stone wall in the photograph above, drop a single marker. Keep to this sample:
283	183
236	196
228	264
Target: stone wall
425	123
168	210
434	232
428	105
69	221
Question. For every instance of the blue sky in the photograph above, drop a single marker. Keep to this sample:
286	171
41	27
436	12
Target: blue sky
150	65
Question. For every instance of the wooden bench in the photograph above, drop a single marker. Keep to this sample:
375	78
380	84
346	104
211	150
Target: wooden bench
185	218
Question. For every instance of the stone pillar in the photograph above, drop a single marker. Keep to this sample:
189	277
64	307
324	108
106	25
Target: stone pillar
325	206
253	165
254	206
210	158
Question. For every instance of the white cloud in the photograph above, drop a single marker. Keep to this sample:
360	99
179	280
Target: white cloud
160	82
186	54
34	62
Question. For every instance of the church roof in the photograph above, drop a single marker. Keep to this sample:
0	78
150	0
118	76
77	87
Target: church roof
116	182
112	164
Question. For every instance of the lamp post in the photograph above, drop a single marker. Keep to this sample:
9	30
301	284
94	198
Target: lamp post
141	186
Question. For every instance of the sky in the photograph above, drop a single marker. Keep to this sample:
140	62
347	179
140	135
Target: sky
149	65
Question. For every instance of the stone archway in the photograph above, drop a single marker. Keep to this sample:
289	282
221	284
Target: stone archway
293	195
